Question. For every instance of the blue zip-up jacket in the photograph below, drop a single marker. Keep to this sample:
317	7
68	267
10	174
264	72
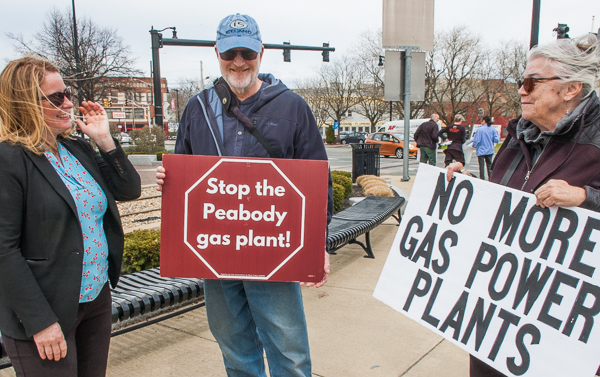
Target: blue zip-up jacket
280	115
484	140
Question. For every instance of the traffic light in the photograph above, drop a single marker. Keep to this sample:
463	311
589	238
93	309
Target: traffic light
105	102
325	53
126	101
287	53
561	31
109	103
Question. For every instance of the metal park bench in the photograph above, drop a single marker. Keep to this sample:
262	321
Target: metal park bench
347	225
140	296
143	298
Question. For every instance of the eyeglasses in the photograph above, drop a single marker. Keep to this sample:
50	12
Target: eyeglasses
58	98
247	54
529	83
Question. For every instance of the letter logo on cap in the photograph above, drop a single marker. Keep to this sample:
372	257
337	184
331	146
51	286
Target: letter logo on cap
238	24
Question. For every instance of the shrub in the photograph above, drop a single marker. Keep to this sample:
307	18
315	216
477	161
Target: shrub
330	135
343	181
344	173
141	251
160	154
148	140
338	197
115	131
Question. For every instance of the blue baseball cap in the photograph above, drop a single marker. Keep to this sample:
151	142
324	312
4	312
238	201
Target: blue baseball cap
238	30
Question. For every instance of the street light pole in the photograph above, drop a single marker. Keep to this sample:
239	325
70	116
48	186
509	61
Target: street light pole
76	50
535	24
201	82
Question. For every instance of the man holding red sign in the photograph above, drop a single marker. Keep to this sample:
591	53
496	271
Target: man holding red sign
250	115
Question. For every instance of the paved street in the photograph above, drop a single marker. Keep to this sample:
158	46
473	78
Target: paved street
340	158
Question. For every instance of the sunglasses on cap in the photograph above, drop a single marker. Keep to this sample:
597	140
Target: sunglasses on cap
529	83
247	54
58	98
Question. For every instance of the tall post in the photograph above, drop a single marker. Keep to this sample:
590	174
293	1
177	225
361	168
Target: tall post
535	24
407	85
391	110
177	98
133	114
201	80
156	44
76	53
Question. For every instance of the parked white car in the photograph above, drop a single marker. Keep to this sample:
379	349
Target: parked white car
125	138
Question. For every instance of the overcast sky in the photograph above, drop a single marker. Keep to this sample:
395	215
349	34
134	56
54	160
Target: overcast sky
302	22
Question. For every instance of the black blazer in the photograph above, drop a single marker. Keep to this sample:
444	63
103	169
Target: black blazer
41	245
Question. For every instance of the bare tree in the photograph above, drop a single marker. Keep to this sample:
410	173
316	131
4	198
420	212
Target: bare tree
417	108
491	85
511	60
309	89
101	52
187	88
366	53
337	87
453	68
369	75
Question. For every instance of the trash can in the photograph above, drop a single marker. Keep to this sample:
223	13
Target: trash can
365	160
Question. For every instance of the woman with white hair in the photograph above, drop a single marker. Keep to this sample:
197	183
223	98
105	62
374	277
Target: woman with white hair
553	149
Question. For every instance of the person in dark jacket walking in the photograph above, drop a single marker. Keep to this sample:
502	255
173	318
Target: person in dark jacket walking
484	140
456	134
426	137
249	317
553	150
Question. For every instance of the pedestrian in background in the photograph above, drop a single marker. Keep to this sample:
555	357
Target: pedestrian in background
484	141
456	134
426	137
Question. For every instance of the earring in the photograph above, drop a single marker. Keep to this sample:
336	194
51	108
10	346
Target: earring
566	103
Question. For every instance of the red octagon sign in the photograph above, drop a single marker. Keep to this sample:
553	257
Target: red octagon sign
244	218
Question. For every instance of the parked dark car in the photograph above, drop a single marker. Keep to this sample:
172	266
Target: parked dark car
352	137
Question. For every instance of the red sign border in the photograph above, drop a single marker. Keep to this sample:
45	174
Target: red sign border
245	161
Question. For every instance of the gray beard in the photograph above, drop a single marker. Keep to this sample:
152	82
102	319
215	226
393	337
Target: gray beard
246	85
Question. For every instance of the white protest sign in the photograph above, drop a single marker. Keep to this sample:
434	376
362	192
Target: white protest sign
513	284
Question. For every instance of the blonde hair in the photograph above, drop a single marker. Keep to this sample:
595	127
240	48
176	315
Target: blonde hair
21	113
574	60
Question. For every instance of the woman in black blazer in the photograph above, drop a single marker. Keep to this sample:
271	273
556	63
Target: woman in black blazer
61	239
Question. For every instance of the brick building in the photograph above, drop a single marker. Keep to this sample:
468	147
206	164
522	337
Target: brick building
129	101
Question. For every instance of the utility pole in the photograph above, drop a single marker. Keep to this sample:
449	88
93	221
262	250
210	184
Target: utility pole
177	98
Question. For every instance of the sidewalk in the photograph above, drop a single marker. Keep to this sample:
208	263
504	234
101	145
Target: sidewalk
351	333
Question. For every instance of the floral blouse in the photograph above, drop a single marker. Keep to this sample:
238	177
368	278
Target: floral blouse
91	205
